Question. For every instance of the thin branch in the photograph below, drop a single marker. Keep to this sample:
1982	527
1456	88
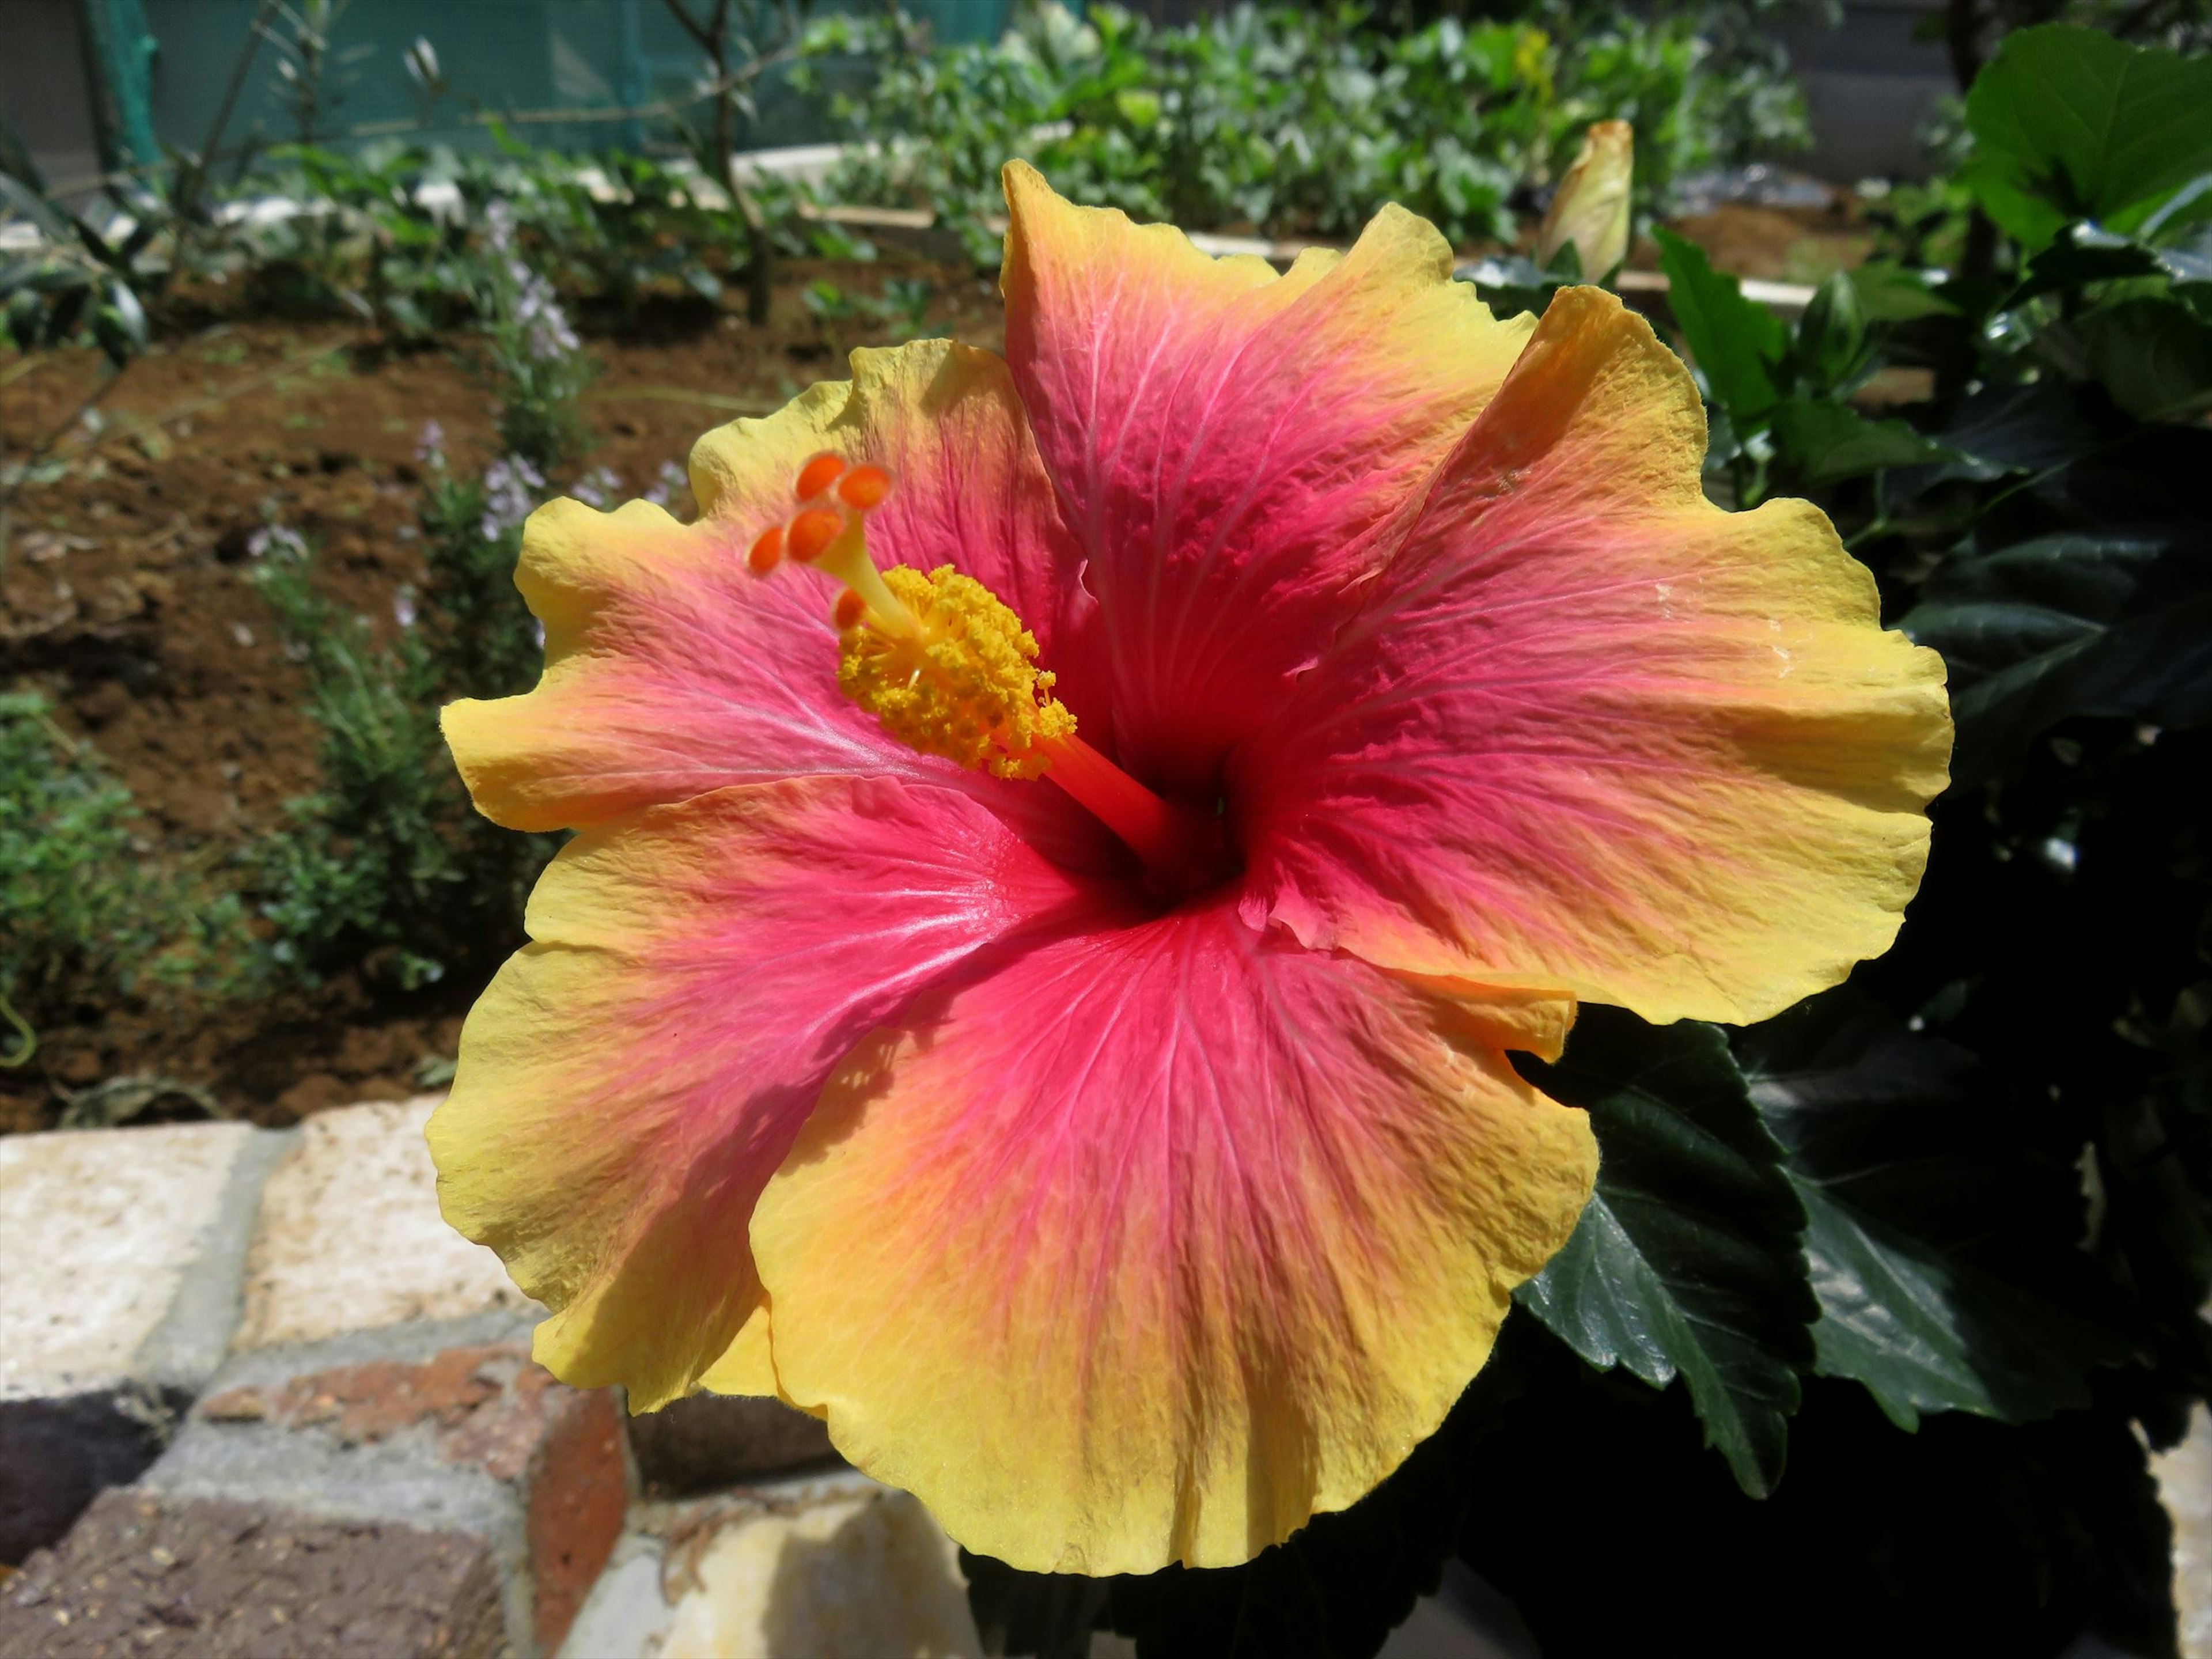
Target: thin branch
682	13
188	188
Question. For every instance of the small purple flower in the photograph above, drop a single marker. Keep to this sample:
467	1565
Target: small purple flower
598	488
671	479
403	607
430	447
511	485
281	539
545	330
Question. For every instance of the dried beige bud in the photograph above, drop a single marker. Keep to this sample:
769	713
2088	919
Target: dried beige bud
1591	207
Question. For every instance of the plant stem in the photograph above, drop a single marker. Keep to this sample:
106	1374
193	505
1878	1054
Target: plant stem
22	1055
713	38
191	180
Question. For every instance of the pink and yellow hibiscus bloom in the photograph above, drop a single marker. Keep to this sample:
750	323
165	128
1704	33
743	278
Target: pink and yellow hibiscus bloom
1134	1209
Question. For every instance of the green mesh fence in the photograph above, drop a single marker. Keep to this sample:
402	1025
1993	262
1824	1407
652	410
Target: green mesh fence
576	68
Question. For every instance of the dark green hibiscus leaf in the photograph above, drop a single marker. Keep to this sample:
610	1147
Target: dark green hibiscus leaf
1512	284
2115	622
2025	429
1601	1519
2086	253
1943	1244
1739	346
1689	1258
2153	355
2070	122
1891	292
1829	441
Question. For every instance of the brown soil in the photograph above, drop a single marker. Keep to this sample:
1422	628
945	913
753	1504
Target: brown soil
1787	245
124	600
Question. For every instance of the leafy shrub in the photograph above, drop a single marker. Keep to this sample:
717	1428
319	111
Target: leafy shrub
416	236
1293	122
85	916
387	864
535	359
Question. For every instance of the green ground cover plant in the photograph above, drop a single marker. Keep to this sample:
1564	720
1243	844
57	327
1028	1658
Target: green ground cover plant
388	865
85	916
1861	1342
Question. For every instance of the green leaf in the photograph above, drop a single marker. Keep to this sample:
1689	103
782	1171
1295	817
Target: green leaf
2115	622
2153	355
1970	1539
1512	284
1739	346
1891	292
1829	441
2085	253
120	325
1943	1244
1832	334
2025	428
19	197
2071	123
1688	1258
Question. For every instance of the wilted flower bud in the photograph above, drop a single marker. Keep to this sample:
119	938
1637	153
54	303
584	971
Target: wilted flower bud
1591	209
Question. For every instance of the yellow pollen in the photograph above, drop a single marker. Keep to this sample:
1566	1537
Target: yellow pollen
963	684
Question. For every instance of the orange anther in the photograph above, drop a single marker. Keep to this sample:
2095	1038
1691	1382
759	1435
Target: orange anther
768	551
818	475
850	608
864	488
812	532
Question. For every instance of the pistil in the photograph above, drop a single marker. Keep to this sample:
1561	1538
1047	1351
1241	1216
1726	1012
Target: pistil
1185	849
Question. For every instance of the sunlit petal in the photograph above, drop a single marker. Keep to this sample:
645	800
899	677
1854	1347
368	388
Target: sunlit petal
1159	1241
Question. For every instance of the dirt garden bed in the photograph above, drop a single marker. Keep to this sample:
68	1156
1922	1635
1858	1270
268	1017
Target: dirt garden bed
126	600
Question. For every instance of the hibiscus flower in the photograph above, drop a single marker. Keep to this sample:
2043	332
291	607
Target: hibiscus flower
1085	1087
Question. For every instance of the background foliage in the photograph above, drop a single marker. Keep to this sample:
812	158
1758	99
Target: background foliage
1293	122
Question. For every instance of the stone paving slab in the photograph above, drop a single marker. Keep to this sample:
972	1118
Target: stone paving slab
120	1257
2184	1480
102	1231
350	1239
144	1573
831	1565
352	1382
447	1426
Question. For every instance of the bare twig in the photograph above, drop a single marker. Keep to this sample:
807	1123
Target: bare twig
713	38
185	197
